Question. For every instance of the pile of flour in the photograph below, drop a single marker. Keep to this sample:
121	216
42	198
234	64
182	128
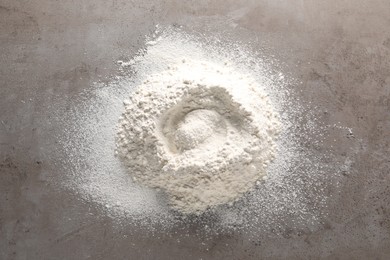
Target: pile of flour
200	131
203	131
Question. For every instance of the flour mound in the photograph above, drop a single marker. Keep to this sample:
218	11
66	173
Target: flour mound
199	131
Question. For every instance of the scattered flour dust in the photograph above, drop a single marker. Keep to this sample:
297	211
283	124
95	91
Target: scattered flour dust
201	132
202	122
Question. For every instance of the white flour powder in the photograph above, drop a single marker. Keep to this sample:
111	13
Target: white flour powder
200	131
203	144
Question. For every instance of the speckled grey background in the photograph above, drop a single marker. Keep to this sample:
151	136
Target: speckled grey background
51	50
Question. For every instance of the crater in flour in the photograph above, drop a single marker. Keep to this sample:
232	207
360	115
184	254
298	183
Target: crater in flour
204	119
198	128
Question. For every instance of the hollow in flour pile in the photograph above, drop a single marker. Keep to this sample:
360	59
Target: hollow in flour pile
200	131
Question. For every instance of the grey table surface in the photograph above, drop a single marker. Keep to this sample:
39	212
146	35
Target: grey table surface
51	49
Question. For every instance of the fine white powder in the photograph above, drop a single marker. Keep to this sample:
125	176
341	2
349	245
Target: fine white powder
299	178
200	131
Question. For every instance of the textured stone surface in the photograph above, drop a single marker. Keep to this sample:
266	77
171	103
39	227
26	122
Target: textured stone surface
51	50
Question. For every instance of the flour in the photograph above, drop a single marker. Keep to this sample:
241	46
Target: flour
200	131
249	93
